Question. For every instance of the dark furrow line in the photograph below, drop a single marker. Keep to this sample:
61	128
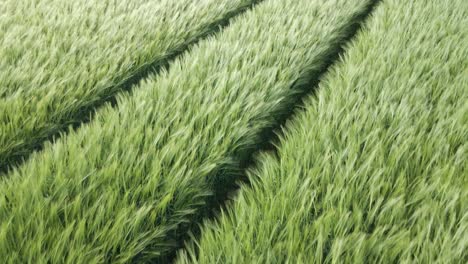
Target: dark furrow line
22	152
225	181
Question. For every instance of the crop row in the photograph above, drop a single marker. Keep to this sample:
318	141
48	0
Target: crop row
128	185
374	170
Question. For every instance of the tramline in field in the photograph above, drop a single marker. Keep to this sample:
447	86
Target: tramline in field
374	170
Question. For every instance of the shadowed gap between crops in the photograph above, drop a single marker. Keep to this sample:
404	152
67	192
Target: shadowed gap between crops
21	153
228	176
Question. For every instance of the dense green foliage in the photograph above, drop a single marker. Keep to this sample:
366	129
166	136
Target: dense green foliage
125	186
60	59
374	170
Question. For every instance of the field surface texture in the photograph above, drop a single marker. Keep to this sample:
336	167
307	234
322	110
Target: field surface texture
127	186
374	170
60	59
